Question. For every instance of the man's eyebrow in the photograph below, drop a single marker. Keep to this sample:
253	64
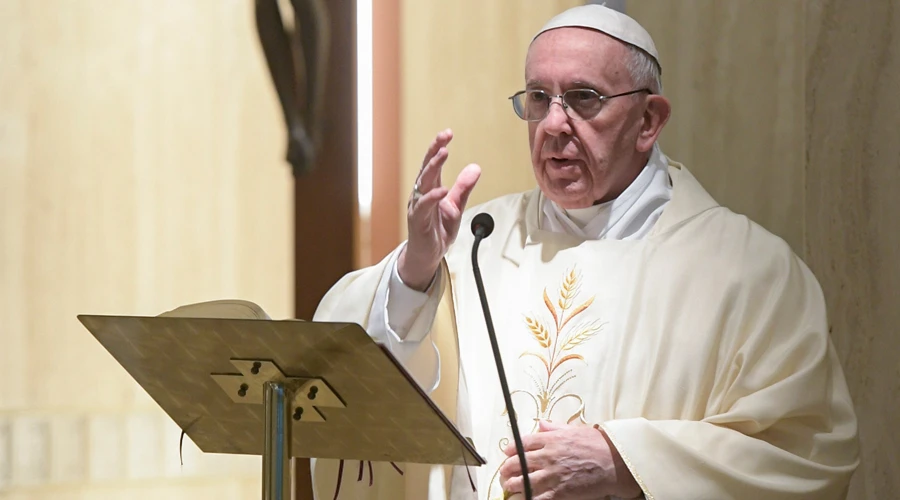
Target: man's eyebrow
581	84
575	84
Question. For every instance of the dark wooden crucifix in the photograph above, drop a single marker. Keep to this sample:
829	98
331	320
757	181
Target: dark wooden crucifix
297	49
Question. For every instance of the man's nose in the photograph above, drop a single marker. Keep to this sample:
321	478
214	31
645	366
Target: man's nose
557	120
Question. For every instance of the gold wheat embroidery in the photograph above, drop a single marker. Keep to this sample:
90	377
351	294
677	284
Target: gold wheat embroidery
540	332
556	339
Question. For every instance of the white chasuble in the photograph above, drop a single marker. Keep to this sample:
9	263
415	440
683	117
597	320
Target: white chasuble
565	327
701	349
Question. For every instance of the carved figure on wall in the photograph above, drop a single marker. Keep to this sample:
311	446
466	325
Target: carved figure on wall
296	45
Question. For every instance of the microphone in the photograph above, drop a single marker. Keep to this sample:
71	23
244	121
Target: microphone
482	227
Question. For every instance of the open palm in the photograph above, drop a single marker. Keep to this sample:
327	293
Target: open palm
433	219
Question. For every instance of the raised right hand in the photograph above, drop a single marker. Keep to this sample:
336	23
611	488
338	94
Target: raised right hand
433	219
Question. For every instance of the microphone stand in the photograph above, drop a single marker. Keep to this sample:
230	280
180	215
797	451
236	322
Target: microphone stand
483	228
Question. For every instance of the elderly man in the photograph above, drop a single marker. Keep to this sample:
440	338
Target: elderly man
656	344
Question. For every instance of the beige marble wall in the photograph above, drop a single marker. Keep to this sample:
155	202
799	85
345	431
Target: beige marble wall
734	73
853	212
140	169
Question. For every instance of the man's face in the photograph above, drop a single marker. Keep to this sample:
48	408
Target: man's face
577	163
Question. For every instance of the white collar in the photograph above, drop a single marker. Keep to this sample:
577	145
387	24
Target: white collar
629	216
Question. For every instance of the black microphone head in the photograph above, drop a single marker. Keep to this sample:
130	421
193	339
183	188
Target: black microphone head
483	225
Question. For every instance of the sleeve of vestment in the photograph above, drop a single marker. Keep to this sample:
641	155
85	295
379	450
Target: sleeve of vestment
409	313
780	424
363	297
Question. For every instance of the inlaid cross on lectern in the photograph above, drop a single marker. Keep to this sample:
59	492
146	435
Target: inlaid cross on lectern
307	393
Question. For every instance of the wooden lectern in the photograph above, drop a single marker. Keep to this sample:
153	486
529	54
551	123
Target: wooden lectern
282	389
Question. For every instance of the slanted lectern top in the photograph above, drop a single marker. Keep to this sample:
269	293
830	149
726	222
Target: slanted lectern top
347	396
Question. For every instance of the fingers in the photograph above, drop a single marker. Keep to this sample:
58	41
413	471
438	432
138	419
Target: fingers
441	140
428	201
455	202
535	441
435	156
512	467
540	482
530	442
546	425
430	176
462	188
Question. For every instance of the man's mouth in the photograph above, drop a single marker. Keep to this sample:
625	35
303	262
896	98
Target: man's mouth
563	161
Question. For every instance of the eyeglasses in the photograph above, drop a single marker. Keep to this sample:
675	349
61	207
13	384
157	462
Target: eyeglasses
579	104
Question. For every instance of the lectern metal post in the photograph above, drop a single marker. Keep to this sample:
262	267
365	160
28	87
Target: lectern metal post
277	453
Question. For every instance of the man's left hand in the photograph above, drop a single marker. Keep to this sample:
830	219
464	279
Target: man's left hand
568	462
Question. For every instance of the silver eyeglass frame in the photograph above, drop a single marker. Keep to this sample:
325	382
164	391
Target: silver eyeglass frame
562	101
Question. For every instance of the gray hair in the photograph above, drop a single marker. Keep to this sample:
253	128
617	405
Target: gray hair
645	72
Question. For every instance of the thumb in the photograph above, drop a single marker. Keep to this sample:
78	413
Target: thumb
462	188
546	426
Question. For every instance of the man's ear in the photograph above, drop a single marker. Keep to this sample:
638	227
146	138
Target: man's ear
656	114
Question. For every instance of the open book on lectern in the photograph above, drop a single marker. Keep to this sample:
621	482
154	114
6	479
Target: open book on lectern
205	365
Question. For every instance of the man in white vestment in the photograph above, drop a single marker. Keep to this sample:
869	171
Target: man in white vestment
657	345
